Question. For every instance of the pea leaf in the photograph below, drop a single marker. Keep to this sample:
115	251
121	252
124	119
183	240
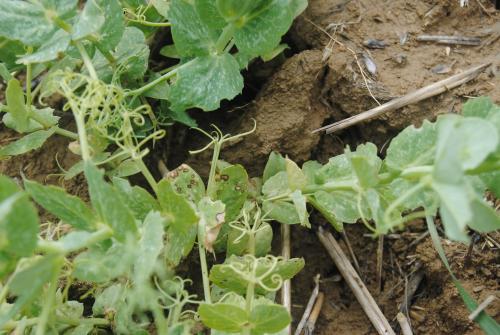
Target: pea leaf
28	282
19	223
412	147
68	208
275	164
89	21
342	205
187	182
111	31
260	32
232	188
49	50
296	178
4	72
281	211
365	164
276	185
28	21
191	35
46	114
138	200
299	201
238	245
14	97
204	81
150	247
225	277
181	220
100	265
107	202
223	317
27	143
268	319
108	299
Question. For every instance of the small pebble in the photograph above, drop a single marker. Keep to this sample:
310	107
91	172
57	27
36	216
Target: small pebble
477	289
374	44
401	59
441	69
370	64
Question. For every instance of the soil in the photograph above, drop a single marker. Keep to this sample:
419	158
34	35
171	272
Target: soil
320	82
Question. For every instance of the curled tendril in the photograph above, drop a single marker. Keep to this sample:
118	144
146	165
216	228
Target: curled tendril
249	222
180	297
217	137
106	112
247	268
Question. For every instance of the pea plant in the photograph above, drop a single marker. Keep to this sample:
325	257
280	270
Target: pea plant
113	264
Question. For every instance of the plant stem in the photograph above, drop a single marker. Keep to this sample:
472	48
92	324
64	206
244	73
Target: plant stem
56	247
151	24
82	135
86	60
204	267
59	131
49	302
211	186
147	174
28	82
155	82
225	37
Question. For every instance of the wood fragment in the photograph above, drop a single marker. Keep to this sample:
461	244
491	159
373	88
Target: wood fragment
311	322
286	289
380	262
357	286
351	252
404	324
482	306
408	99
309	307
444	39
411	288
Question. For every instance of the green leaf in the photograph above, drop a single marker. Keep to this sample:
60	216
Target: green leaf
223	317
231	185
484	218
107	202
81	329
19	223
239	247
268	319
212	216
68	208
181	220
111	32
338	168
161	6
204	81
192	37
366	164
4	72
150	247
90	20
412	147
296	178
299	201
14	97
340	204
281	211
310	169
209	14
49	50
138	200
131	56
108	299
99	265
29	22
225	277
27	143
275	164
276	185
46	114
187	182
27	283
260	32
